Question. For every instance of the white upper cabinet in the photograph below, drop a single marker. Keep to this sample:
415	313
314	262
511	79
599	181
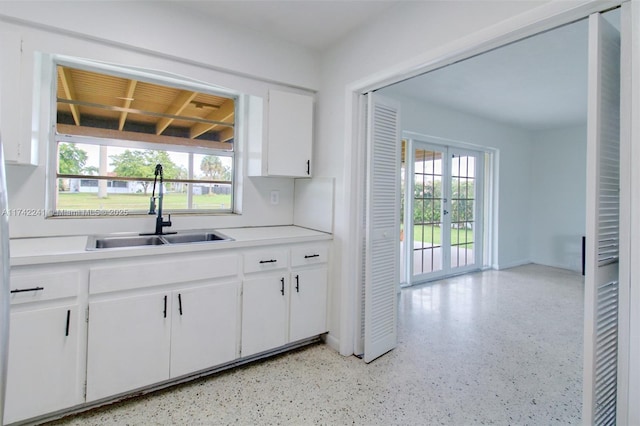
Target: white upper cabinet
15	100
283	146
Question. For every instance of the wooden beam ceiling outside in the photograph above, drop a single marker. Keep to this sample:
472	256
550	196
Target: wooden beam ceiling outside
128	98
123	101
69	91
225	114
226	135
176	108
139	137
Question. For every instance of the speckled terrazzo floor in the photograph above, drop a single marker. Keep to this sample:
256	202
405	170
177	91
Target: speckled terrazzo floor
500	348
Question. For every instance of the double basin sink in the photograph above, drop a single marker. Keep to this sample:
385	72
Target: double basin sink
123	241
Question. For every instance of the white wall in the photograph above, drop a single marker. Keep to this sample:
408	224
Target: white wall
514	175
173	30
150	35
557	199
406	34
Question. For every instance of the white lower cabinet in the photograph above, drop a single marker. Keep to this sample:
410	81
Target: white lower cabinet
308	303
129	343
264	313
137	341
95	331
43	374
204	327
46	342
285	305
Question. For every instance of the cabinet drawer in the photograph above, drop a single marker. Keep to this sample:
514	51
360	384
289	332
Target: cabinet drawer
34	287
309	255
149	274
265	260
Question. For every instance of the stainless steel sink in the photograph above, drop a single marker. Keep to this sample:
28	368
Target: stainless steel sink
125	241
132	241
193	238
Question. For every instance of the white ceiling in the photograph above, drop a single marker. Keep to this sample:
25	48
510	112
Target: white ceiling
537	83
315	24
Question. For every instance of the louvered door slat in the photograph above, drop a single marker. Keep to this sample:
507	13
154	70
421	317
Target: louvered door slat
603	213
383	224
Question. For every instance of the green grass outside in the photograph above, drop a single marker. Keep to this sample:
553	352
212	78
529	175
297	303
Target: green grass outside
131	202
432	234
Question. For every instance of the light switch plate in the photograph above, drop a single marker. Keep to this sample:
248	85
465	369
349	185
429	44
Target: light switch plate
275	197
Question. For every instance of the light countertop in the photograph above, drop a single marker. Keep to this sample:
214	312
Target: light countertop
32	251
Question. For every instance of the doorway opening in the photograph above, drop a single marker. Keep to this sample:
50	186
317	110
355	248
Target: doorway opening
512	244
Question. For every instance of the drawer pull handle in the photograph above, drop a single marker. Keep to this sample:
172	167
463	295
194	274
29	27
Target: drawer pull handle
308	167
282	288
297	283
268	261
180	303
165	306
309	256
22	290
66	332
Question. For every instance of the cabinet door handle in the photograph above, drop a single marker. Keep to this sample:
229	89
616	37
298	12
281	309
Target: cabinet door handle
268	261
22	290
308	167
66	330
309	256
180	303
165	306
297	283
282	288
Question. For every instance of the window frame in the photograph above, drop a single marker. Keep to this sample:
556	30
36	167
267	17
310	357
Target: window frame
49	66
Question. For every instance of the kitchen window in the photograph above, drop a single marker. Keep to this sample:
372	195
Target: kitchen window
114	125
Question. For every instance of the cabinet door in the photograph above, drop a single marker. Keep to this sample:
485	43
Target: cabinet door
129	342
43	374
204	327
264	314
308	303
290	133
10	99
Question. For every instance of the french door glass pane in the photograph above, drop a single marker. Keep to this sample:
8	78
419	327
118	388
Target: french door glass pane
463	199
427	211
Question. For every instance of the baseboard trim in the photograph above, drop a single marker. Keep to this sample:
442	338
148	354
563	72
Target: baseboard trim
332	342
508	265
558	265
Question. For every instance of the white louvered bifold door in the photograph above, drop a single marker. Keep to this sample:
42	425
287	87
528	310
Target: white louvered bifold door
382	227
603	200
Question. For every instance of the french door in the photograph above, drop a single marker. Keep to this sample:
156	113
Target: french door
444	211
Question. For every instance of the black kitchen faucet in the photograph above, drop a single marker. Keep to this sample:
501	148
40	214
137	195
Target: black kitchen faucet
160	222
